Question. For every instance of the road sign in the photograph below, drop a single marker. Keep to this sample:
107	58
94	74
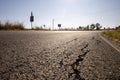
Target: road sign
59	25
31	17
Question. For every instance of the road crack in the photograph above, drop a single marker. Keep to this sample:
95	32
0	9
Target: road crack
74	73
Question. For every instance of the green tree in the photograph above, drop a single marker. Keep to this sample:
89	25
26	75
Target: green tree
92	26
98	26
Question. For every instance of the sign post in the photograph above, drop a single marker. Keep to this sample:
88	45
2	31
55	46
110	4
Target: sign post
59	25
31	19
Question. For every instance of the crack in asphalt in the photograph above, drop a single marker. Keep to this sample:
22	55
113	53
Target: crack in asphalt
25	63
58	59
74	66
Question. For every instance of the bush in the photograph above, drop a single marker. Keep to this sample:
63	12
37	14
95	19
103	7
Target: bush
108	33
115	34
11	26
18	26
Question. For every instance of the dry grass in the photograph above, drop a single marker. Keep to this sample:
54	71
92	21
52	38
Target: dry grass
11	26
115	34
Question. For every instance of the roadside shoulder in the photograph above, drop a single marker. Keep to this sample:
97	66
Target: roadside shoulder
113	43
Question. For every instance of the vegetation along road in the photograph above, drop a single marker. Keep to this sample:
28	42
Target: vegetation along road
57	55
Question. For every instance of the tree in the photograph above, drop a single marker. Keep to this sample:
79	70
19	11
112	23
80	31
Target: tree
92	26
87	27
104	28
80	28
98	26
118	27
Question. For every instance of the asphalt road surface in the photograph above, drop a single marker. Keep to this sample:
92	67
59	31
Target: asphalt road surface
57	55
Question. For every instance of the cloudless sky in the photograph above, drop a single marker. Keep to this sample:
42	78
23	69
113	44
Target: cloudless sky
69	13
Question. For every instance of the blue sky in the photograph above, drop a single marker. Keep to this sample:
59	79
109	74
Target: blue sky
69	13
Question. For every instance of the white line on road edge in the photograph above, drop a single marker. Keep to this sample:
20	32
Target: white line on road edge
109	43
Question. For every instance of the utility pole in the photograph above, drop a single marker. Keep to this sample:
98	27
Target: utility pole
52	24
31	19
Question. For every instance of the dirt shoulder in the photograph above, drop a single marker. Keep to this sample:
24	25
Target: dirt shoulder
113	41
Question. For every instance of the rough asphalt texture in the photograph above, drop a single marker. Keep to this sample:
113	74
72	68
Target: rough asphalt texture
54	55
